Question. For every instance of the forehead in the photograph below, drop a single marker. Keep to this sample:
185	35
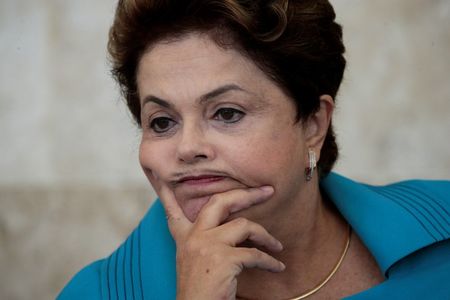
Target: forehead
193	61
187	47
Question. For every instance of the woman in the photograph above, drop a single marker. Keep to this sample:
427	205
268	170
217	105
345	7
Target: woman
235	101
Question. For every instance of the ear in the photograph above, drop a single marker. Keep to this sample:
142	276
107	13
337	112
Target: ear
316	127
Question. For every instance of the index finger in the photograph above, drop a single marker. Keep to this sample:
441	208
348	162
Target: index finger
222	205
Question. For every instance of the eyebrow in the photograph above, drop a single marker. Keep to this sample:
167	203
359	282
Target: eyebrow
220	91
154	99
204	98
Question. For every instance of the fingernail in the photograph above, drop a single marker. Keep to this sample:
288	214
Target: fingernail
279	245
283	266
267	189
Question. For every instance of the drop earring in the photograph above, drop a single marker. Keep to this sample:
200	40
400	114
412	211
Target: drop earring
309	171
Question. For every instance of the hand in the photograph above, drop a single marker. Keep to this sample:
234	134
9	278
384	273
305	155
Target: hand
208	259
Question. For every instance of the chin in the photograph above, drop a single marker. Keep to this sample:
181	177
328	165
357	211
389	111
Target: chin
191	208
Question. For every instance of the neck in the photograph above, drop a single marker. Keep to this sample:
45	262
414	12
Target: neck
313	235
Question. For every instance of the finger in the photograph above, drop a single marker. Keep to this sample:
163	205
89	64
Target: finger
254	258
177	221
241	229
220	206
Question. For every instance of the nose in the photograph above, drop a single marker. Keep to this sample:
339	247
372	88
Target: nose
194	145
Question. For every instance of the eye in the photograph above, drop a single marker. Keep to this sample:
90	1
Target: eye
228	115
161	124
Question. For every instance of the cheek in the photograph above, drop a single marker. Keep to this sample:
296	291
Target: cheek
153	158
263	159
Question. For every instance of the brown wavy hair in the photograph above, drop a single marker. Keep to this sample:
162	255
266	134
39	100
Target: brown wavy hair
296	43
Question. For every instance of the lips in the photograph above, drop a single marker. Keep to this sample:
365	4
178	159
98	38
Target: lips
194	186
190	187
200	180
194	189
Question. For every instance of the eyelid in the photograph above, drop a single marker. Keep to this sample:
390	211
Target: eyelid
231	105
161	113
236	115
170	124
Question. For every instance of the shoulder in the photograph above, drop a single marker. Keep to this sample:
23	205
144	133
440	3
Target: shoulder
427	201
423	274
84	285
424	202
393	220
406	227
429	189
426	190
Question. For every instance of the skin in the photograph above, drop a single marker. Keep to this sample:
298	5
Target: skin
221	147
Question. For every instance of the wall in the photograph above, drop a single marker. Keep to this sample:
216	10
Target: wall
71	188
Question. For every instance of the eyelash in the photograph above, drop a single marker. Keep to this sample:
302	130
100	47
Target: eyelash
236	116
234	119
153	124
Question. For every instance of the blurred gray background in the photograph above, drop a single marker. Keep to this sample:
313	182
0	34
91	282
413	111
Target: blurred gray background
71	188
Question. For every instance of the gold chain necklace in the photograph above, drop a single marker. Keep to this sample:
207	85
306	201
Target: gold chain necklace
323	282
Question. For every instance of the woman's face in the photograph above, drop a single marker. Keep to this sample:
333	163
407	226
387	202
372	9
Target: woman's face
213	121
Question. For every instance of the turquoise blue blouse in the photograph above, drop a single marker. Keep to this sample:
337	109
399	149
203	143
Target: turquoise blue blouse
406	227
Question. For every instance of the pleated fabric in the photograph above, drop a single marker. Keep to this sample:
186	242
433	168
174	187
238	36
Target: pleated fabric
121	271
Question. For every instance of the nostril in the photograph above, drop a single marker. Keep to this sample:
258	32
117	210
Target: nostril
193	158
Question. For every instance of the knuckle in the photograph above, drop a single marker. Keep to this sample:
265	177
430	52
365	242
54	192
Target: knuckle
216	258
252	193
249	191
263	231
241	222
203	252
256	253
214	200
191	246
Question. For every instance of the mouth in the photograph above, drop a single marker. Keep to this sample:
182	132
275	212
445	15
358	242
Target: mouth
197	177
194	189
200	185
200	179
